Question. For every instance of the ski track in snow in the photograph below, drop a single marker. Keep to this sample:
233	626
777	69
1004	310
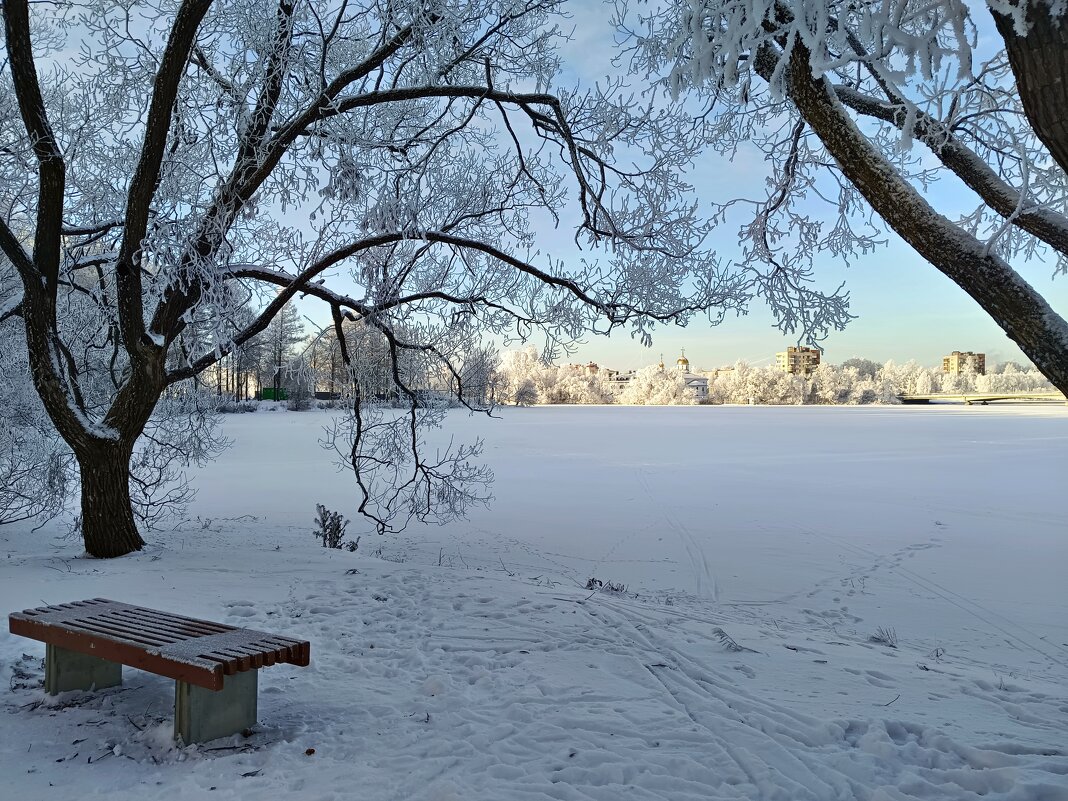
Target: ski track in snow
444	684
704	579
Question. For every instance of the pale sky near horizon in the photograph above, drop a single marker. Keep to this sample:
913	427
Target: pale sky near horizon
905	309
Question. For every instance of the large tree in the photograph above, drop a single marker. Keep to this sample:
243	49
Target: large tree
163	162
864	105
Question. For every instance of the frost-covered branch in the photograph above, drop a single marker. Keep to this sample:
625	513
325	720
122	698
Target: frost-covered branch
868	80
387	160
1036	218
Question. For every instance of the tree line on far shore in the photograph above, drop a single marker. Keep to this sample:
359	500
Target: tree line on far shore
523	378
310	366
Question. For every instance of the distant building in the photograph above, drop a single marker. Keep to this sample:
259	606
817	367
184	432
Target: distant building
697	384
958	362
616	381
799	361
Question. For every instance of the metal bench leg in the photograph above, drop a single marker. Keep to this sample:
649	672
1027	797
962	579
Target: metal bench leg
69	670
201	715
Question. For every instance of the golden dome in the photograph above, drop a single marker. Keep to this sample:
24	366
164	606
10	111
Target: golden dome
682	361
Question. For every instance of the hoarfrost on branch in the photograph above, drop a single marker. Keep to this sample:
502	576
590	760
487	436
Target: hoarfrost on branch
166	166
859	108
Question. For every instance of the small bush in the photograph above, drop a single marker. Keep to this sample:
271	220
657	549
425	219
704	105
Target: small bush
299	401
609	586
884	636
330	528
236	407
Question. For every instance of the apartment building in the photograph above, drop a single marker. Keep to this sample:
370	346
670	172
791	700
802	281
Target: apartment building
800	361
958	362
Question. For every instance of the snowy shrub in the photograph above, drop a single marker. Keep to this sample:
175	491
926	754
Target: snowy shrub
300	396
36	475
330	528
607	586
37	469
236	407
526	393
884	636
299	402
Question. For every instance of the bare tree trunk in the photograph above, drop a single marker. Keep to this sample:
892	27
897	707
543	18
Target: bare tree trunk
1039	60
276	381
108	526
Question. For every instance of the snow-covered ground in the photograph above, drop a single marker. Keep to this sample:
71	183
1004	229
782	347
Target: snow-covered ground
761	548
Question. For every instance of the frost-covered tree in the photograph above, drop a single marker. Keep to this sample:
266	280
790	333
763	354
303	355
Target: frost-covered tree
237	374
655	386
846	384
173	158
577	385
476	375
519	374
36	467
863	105
523	377
278	350
864	367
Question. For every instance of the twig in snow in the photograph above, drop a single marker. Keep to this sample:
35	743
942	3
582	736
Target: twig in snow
885	636
895	698
728	642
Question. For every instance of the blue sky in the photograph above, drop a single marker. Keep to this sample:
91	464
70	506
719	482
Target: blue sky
905	309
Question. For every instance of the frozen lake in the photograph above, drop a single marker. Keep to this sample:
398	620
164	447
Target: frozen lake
736	505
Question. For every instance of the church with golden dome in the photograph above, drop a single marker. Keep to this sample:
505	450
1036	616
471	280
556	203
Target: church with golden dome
615	381
698	384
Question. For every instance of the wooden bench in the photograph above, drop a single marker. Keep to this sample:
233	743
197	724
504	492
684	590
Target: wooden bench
214	665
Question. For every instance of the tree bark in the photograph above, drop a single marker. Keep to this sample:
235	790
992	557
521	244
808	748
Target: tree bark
108	526
1039	60
1014	304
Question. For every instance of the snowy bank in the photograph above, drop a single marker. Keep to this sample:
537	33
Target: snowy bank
762	550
